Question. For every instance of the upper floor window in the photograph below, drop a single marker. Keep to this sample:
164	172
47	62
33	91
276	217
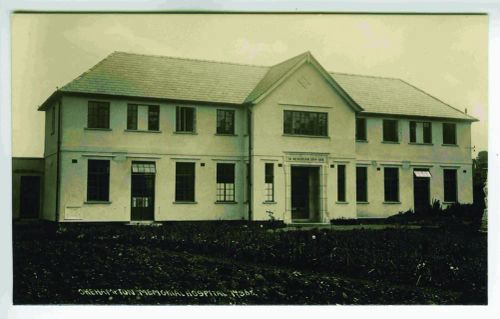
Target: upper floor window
449	133
132	117
360	129
98	180
305	123
184	182
391	184
225	121
185	119
269	182
390	131
98	115
420	132
153	117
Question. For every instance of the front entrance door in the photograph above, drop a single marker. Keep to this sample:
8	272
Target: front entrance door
30	197
421	190
143	191
305	193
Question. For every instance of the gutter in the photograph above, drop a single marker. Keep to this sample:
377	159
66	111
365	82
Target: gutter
58	160
249	173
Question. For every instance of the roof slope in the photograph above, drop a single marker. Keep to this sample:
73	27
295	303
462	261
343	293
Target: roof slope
171	78
150	76
394	96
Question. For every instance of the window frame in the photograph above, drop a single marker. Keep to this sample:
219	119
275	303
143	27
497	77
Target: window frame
225	183
454	125
132	116
181	122
384	131
153	118
290	129
389	187
223	130
364	138
446	185
363	185
99	109
269	182
99	180
341	183
413	129
185	182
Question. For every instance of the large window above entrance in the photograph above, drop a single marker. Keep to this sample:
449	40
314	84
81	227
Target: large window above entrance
305	123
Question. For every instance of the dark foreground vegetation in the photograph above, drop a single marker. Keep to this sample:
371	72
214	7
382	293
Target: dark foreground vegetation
222	263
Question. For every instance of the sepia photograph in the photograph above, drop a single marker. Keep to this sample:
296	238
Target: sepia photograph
249	158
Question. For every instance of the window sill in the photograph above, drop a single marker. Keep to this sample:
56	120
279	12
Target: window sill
231	203
425	144
303	135
392	203
452	145
389	142
142	131
341	202
269	202
96	129
449	203
226	134
92	202
184	202
185	133
363	203
361	141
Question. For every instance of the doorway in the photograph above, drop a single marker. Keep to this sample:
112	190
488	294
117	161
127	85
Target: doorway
30	197
305	193
143	191
421	189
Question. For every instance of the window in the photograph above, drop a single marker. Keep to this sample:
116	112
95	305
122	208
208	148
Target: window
185	119
420	132
361	184
269	182
153	118
225	182
53	120
341	183
450	185
449	133
360	129
391	184
132	117
98	115
184	182
305	123
98	180
390	131
225	121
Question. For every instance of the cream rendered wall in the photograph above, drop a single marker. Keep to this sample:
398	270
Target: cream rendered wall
50	155
164	148
406	156
270	145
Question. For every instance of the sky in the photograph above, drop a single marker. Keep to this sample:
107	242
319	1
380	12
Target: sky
445	55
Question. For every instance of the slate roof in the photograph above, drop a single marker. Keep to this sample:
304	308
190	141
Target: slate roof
162	77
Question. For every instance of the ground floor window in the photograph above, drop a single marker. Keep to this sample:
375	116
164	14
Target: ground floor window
361	184
341	183
225	182
98	180
184	182
450	185
391	184
269	182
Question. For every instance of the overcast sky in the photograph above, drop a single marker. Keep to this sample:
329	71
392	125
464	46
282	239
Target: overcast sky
443	55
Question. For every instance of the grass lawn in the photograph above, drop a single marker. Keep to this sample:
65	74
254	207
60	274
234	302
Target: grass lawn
230	264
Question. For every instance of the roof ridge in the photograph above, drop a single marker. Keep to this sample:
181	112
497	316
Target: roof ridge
367	76
437	99
190	59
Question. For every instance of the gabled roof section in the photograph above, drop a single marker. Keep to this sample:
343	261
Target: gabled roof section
381	95
164	77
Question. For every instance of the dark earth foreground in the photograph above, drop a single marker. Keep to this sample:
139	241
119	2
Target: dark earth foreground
240	264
